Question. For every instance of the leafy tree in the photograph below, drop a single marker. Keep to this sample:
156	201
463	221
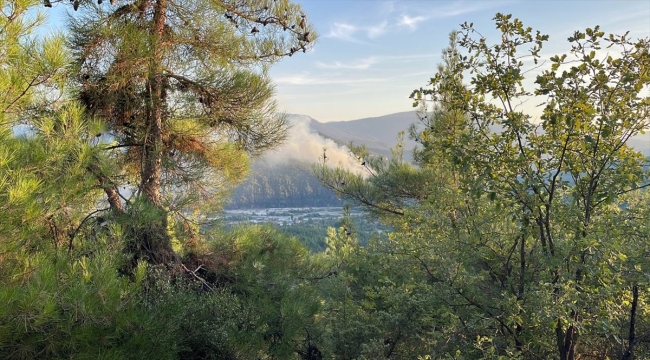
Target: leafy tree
182	89
563	178
512	223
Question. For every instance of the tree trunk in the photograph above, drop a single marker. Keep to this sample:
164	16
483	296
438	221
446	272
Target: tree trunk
153	238
153	142
114	200
566	341
629	353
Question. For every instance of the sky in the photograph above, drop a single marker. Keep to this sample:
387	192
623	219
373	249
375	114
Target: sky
371	54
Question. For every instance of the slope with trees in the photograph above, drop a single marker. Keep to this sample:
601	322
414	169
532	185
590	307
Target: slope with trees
281	185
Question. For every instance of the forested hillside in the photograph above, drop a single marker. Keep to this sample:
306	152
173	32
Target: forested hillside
122	136
290	181
282	185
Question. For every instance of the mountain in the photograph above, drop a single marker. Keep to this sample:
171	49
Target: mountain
383	129
283	178
641	143
378	134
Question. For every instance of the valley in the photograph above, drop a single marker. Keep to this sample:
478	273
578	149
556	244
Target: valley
308	224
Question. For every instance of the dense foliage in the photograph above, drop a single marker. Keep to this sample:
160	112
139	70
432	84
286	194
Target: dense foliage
511	238
516	236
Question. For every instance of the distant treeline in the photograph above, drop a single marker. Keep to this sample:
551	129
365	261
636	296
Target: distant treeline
282	186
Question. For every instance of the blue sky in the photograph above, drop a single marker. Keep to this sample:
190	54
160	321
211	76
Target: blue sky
371	54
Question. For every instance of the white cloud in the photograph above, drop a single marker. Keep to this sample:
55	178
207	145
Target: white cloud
377	30
347	32
308	79
343	32
454	8
351	33
366	63
411	22
360	64
464	7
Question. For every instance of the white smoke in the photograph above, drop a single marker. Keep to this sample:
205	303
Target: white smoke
306	146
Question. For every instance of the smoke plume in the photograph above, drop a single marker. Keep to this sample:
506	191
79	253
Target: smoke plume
304	145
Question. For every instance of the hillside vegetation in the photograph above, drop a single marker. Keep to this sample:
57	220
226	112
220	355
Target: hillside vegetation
282	185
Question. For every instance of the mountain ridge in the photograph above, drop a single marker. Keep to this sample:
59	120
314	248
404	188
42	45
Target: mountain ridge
284	177
382	131
378	134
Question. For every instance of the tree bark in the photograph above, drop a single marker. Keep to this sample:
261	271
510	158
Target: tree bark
114	200
109	188
153	142
629	353
566	341
154	242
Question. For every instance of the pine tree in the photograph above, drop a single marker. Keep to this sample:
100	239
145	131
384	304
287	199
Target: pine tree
183	90
29	68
